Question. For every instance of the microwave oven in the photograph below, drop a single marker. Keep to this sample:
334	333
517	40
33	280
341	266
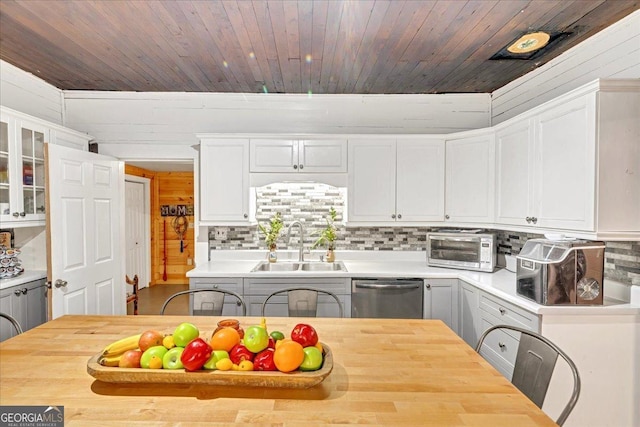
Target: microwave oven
462	249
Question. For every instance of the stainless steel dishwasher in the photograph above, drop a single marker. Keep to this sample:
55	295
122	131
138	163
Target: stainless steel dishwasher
387	298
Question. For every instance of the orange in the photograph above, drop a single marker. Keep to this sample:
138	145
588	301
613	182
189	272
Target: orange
225	339
288	356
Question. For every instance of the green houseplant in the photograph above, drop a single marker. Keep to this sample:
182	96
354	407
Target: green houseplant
327	236
271	234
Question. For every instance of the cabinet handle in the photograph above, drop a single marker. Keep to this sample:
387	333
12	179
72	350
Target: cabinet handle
399	216
502	311
15	214
447	217
23	214
528	219
215	286
301	167
393	216
295	166
428	286
24	291
246	215
17	292
502	345
534	220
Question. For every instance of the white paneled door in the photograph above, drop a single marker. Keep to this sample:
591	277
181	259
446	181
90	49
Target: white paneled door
135	236
85	232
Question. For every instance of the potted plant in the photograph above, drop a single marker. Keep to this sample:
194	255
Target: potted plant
328	235
271	234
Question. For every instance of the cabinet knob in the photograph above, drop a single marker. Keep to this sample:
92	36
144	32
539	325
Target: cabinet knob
17	292
399	216
447	217
502	345
428	286
24	291
534	220
301	167
393	216
246	215
215	286
60	283
23	214
15	214
295	166
528	219
502	311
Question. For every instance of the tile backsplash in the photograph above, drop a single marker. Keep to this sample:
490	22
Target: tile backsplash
309	203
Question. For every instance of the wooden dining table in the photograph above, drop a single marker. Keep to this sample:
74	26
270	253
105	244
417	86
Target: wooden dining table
385	372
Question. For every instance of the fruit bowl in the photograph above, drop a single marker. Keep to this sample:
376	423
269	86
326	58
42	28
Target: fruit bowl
273	379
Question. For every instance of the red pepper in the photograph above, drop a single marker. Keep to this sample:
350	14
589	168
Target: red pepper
196	354
239	352
264	361
304	334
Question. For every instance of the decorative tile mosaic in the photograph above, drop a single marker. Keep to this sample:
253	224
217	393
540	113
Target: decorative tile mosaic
309	203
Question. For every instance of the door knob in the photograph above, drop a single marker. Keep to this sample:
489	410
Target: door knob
60	283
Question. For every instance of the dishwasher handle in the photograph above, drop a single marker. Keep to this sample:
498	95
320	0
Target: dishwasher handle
387	285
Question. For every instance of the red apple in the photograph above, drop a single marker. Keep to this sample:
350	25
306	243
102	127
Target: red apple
130	359
305	335
239	353
264	361
150	339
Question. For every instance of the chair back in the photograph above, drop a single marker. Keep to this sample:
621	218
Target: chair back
207	302
13	322
302	301
133	295
535	362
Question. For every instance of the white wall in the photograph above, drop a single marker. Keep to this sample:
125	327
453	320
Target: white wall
29	94
612	53
175	118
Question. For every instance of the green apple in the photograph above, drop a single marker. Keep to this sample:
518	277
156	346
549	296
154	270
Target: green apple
215	357
157	350
312	359
256	339
184	333
171	359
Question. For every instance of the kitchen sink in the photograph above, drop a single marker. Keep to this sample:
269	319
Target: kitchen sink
298	266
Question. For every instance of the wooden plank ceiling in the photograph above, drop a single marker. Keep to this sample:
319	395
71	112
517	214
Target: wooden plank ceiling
318	46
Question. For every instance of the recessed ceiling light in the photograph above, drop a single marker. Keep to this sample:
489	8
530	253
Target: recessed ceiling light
529	42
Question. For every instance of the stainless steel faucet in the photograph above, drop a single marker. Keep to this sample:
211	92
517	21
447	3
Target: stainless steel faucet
301	249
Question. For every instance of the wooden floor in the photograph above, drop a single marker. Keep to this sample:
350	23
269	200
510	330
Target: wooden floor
150	300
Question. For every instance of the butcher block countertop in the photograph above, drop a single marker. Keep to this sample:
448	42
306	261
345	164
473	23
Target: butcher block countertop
385	372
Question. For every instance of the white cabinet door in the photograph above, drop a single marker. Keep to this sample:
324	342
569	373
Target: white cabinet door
470	179
322	155
420	180
469	313
514	173
274	155
565	165
224	181
372	180
441	301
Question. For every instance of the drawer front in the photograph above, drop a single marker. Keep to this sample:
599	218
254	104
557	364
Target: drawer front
508	314
233	285
268	286
501	344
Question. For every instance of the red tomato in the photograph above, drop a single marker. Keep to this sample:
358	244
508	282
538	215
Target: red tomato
304	334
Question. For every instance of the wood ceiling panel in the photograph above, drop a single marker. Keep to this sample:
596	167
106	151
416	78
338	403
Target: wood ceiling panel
292	46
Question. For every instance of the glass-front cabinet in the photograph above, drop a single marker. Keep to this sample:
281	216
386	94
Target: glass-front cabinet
22	174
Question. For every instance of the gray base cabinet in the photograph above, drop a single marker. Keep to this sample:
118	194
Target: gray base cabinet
441	301
27	303
468	324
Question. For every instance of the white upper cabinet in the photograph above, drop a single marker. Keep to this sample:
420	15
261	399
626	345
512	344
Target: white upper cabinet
224	181
470	178
514	173
396	180
293	155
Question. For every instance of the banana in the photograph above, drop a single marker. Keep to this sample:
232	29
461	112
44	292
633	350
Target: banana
109	360
118	347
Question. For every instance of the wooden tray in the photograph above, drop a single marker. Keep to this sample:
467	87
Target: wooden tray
296	379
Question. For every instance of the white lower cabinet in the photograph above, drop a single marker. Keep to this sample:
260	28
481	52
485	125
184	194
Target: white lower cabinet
202	302
441	301
468	323
257	290
27	303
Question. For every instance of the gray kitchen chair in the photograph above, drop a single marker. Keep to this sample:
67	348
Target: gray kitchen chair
13	321
303	301
209	307
534	366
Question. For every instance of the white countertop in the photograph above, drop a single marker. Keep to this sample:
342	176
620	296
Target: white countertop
397	264
25	277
